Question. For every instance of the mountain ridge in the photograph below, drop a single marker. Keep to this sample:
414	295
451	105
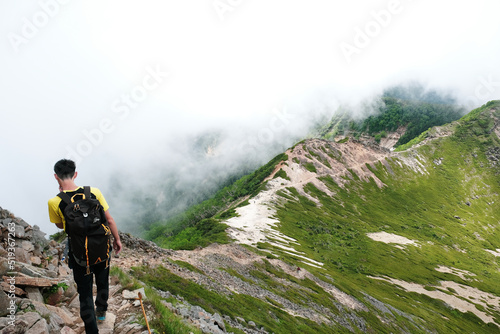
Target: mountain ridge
345	237
473	127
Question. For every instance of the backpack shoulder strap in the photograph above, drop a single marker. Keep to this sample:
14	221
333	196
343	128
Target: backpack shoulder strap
86	192
65	197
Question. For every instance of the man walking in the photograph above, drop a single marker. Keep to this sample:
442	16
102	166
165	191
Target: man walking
65	174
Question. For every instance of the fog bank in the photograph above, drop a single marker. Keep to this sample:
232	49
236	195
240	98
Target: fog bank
193	92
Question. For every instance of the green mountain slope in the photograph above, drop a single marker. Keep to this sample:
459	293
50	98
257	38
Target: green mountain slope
442	197
391	114
342	237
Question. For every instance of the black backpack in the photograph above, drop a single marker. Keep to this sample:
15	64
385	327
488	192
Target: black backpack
87	228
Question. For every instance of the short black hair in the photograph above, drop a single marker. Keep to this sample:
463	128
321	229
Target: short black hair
65	169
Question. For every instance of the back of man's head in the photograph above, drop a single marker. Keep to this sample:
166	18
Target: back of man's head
65	169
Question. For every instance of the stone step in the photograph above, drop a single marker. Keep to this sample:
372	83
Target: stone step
108	325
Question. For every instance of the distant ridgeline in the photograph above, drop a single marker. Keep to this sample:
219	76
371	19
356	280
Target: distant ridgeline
396	109
411	107
343	237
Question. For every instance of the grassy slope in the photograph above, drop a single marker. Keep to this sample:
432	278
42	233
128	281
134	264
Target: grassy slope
419	207
195	227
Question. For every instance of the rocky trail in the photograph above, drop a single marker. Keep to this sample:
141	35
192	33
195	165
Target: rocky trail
39	296
38	292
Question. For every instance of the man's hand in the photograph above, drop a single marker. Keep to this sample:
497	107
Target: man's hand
117	246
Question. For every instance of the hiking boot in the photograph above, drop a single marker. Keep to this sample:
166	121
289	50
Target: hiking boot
101	316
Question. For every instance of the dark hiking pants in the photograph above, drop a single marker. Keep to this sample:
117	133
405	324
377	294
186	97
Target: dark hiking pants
84	285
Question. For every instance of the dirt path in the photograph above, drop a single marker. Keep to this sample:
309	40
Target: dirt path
121	316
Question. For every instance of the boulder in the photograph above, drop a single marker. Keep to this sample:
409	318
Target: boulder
5	222
22	255
27	246
30	270
63	270
67	330
19	231
20	327
34	281
34	293
71	290
107	327
4	266
126	294
31	319
35	260
56	297
21	222
218	321
39	237
40	327
4	303
58	314
4	322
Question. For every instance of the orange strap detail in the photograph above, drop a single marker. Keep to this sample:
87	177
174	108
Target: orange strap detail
87	250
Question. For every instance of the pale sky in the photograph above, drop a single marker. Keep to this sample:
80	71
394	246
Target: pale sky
112	83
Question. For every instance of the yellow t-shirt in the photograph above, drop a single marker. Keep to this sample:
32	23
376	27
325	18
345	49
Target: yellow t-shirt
55	213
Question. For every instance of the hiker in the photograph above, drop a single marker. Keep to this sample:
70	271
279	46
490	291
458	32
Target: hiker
84	269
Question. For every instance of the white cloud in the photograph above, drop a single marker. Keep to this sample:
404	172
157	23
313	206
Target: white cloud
76	58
